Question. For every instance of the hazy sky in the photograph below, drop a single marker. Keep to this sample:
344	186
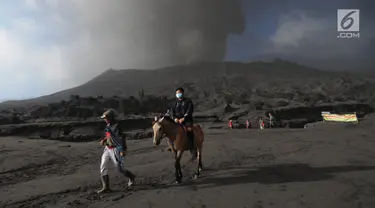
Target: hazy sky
50	45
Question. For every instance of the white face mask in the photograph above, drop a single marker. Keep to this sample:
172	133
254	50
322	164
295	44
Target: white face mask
178	95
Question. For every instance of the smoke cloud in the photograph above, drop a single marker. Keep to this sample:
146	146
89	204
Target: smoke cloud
51	45
65	43
307	33
150	34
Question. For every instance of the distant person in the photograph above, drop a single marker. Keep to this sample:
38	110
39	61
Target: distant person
272	120
230	124
261	123
114	151
247	124
182	112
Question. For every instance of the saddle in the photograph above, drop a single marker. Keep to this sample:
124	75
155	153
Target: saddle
184	128
190	145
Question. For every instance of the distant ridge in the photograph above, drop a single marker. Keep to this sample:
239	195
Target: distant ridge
219	79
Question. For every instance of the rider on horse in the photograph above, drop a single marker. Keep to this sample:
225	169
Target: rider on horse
182	112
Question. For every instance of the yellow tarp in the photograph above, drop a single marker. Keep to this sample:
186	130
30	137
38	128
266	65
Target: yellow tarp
339	117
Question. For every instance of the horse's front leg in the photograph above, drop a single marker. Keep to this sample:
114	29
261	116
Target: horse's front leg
171	148
177	165
199	163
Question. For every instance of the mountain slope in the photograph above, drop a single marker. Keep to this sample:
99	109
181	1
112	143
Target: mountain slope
208	81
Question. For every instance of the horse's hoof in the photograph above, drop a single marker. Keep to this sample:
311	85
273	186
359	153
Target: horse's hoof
195	177
178	182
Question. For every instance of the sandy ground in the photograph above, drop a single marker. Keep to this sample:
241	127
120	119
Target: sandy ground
325	168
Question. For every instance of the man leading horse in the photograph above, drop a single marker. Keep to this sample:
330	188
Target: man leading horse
114	151
182	112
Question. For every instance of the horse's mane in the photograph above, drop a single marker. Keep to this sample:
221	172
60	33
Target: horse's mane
166	118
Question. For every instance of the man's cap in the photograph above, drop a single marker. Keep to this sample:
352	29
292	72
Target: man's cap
110	113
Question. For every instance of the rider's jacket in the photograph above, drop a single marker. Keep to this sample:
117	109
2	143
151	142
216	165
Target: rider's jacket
182	109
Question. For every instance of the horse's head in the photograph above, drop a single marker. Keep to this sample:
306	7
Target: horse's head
157	127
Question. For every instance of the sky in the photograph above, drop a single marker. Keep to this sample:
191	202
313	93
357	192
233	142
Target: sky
51	45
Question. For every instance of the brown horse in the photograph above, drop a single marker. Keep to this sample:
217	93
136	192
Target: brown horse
178	142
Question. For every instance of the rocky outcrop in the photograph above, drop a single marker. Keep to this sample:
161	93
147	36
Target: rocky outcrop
77	131
134	127
78	107
10	119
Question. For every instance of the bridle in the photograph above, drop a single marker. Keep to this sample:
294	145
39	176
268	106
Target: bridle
161	131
